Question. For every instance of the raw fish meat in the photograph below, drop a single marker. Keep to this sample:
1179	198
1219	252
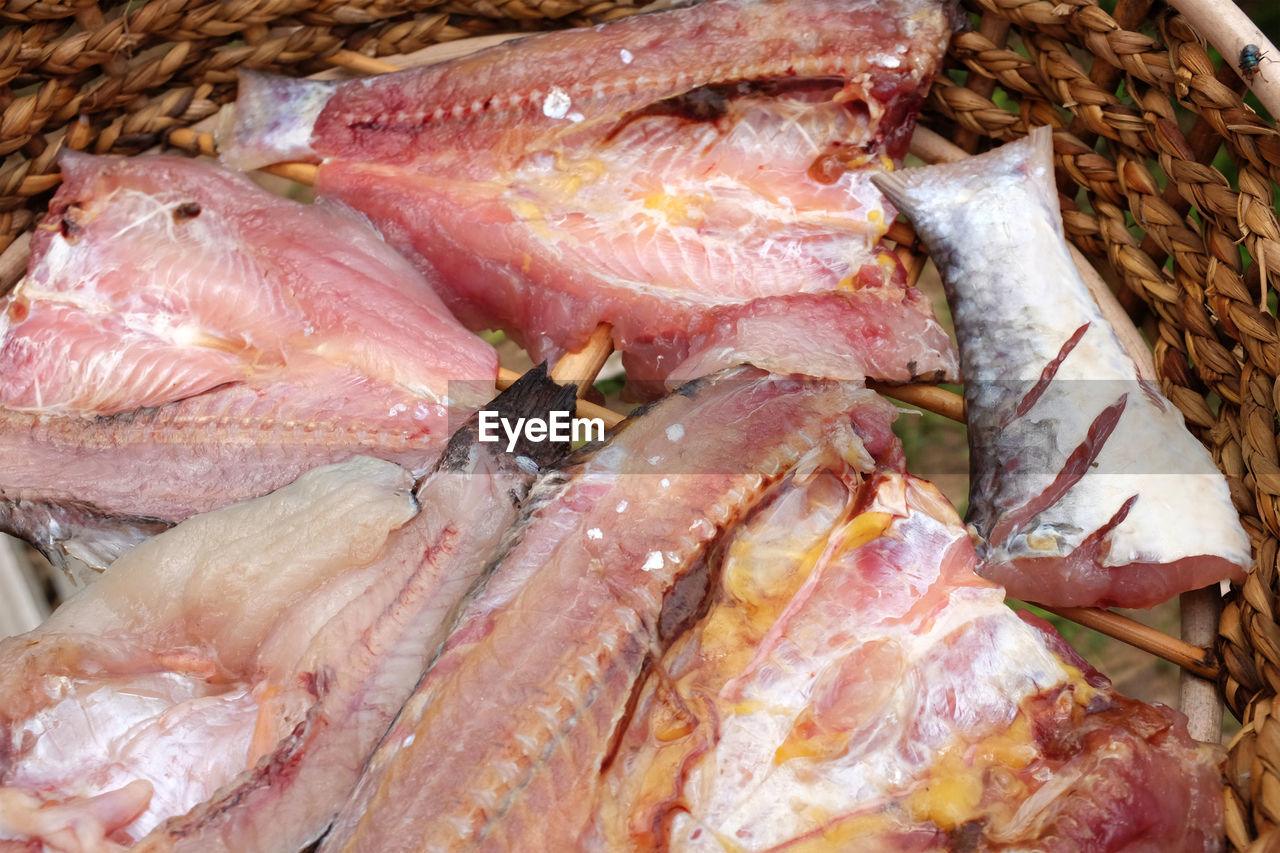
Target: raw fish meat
504	738
221	686
1086	487
698	178
853	685
184	339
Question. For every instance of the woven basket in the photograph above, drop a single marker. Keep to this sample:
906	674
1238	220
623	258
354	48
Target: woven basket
1143	114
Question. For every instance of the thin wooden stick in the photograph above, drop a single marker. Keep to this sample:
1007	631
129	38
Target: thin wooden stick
1201	611
933	148
584	365
1191	658
360	63
931	398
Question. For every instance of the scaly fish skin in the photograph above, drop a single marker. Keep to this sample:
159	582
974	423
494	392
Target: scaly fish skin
504	737
1087	488
853	685
184	339
676	175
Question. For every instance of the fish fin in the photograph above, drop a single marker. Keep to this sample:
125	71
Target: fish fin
74	530
533	395
272	120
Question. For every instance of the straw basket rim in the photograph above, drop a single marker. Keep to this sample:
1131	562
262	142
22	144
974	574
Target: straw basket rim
1167	172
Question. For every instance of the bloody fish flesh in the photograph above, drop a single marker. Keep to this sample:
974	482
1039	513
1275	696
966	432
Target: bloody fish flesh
698	178
221	686
1086	487
853	685
503	739
184	339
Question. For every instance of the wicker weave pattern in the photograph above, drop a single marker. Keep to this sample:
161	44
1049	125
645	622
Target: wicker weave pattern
1142	114
113	79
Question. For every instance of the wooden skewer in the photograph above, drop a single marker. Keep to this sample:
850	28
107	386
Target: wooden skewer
1191	658
931	398
584	365
360	63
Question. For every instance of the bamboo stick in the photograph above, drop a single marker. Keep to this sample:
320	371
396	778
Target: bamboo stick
360	63
584	365
931	398
1192	659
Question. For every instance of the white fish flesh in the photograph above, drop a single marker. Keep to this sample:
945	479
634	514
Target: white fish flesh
222	685
853	685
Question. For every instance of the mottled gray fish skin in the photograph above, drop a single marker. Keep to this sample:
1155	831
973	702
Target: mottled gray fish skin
1086	487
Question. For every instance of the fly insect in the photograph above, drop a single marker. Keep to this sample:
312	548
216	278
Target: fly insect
1251	57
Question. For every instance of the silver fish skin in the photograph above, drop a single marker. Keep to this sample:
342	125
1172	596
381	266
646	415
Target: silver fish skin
503	740
1086	487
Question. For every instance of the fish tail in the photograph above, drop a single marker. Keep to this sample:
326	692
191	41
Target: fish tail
272	120
929	193
534	396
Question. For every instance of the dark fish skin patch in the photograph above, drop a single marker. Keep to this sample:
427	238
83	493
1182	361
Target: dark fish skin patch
186	212
68	227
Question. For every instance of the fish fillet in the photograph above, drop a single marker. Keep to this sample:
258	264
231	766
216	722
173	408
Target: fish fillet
853	685
1086	487
221	686
503	739
184	339
691	177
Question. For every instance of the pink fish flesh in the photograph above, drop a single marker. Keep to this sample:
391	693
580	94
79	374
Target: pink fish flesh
682	175
853	685
221	686
184	339
503	739
1086	487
